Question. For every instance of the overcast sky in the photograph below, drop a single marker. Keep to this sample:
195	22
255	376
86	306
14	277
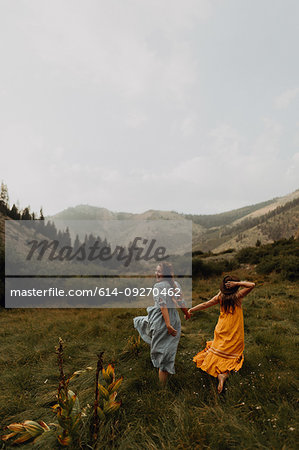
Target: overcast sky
149	104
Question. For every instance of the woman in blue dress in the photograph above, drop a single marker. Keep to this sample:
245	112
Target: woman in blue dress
161	328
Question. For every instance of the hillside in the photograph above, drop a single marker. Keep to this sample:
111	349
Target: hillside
278	202
265	221
282	225
228	217
278	223
2	227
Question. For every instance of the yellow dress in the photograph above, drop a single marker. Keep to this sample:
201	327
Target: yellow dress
225	352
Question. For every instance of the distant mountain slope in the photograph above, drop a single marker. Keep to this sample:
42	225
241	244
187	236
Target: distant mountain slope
84	212
265	221
281	225
268	225
92	212
228	217
273	204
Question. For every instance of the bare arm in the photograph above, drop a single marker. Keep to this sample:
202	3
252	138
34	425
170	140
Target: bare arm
247	285
165	314
205	305
180	302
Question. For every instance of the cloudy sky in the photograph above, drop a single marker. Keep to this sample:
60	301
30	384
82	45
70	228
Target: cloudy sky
132	105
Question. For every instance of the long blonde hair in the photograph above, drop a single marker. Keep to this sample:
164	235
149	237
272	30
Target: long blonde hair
228	301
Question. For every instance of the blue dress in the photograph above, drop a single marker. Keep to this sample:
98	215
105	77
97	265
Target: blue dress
153	330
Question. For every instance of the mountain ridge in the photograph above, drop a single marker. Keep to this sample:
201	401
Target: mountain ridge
264	221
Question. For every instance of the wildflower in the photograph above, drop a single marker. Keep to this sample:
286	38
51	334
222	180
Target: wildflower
291	428
258	407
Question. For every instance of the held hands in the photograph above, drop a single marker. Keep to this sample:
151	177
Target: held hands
190	312
171	330
187	314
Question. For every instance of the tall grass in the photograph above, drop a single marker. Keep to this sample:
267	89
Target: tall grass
258	408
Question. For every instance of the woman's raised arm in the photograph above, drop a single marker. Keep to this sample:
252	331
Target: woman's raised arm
247	285
205	305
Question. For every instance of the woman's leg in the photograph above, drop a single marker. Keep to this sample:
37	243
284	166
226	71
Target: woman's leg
221	378
163	375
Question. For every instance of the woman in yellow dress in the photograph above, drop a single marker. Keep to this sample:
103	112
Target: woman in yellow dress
225	352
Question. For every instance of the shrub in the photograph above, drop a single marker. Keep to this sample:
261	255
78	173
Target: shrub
248	255
289	267
211	268
268	265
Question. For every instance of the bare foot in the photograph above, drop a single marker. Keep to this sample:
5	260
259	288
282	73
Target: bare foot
221	377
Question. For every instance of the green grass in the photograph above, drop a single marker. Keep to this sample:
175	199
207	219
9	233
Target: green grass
256	411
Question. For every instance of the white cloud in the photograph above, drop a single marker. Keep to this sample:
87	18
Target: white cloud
268	143
135	119
189	125
286	98
145	104
113	45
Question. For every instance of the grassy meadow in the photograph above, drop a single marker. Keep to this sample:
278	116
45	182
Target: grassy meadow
257	409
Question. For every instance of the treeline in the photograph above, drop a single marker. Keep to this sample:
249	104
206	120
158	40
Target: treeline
226	218
46	228
281	257
252	222
14	212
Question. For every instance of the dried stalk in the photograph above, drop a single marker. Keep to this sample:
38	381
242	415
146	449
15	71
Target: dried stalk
62	382
96	402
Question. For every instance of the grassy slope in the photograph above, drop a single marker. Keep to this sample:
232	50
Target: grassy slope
256	411
282	225
228	217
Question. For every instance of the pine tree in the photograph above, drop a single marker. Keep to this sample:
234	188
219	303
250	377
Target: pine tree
66	238
60	238
77	243
26	213
41	215
14	213
4	199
